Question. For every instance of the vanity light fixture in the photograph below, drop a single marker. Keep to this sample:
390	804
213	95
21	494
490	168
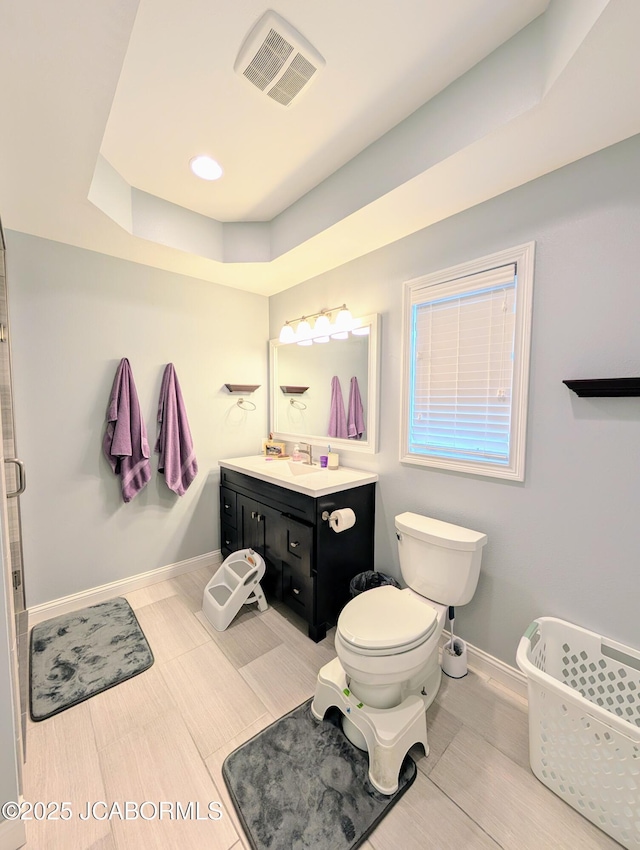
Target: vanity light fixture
287	333
343	324
323	328
344	319
303	333
206	167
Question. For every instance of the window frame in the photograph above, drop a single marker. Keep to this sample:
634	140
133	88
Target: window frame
523	257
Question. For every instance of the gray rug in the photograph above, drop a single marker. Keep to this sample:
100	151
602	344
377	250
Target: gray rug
78	655
301	784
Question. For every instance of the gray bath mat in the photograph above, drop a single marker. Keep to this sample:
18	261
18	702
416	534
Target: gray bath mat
78	655
300	784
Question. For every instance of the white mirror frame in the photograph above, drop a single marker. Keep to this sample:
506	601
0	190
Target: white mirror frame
370	445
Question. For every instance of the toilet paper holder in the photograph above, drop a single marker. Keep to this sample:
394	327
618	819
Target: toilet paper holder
326	515
334	517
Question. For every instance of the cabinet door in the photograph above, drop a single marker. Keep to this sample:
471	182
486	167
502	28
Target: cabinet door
251	519
258	525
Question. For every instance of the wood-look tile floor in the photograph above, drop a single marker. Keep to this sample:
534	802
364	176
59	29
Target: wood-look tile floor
163	736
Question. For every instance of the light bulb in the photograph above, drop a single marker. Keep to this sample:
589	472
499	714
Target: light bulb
303	333
287	334
322	326
206	167
344	320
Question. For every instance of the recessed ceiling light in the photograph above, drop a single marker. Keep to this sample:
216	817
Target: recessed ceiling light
206	167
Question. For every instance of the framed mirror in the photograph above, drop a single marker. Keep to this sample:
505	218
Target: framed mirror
301	379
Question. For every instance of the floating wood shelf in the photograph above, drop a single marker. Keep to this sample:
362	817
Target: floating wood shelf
605	387
242	388
288	390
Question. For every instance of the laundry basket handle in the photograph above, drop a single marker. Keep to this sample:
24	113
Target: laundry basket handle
620	653
532	633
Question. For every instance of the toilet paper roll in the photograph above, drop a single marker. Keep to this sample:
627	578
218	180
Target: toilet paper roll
342	519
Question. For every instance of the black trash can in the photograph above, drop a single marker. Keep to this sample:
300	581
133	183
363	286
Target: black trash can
368	580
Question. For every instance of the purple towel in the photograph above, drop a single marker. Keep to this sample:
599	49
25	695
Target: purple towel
125	441
337	419
355	416
177	458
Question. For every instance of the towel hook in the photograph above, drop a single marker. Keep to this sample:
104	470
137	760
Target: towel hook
299	405
241	404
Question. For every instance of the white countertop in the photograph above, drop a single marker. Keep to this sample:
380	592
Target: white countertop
313	481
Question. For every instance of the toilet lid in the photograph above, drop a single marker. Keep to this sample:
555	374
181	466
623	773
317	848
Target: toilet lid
386	618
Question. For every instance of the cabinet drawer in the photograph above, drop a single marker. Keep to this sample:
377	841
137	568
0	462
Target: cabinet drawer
228	506
228	539
298	540
297	591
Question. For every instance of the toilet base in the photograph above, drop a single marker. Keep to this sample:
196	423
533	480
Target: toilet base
389	733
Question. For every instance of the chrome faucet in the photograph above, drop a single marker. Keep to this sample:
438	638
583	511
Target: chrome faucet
305	453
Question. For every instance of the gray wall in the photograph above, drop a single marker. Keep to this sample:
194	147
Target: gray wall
563	542
74	315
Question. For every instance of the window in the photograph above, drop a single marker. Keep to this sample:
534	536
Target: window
466	365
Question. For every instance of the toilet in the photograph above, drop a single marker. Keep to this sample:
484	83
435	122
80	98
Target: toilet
387	642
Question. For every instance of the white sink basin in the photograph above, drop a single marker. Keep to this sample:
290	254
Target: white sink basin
302	468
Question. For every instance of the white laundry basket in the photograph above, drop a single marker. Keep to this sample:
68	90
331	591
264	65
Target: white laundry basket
584	722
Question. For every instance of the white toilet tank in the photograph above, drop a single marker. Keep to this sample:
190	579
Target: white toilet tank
438	560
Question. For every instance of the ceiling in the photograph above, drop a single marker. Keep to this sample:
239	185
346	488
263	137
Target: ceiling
421	110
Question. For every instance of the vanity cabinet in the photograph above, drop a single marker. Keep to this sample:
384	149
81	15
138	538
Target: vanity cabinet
309	566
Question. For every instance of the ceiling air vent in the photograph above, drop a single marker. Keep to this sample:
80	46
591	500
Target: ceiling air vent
277	60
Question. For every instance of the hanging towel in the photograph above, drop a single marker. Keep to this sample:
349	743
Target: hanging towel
337	419
174	445
125	441
355	416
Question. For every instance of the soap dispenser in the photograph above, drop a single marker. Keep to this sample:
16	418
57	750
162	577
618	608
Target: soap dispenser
295	456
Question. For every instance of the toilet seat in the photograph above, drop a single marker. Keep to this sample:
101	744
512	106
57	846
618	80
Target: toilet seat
386	621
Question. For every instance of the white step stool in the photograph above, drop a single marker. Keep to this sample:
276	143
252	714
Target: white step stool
235	584
389	732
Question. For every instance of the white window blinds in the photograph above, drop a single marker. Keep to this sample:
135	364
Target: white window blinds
462	361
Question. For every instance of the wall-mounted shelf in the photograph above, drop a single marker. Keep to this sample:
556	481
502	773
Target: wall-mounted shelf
605	387
242	388
289	390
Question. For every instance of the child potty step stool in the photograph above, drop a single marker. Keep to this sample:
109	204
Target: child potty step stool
235	584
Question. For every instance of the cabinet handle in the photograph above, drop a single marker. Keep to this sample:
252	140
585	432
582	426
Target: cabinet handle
296	591
259	517
227	543
254	515
226	507
294	544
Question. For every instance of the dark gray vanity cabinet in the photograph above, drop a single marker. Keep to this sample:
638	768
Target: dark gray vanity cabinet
309	566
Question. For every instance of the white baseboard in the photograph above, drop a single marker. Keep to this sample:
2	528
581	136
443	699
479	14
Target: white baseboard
94	595
485	664
12	834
